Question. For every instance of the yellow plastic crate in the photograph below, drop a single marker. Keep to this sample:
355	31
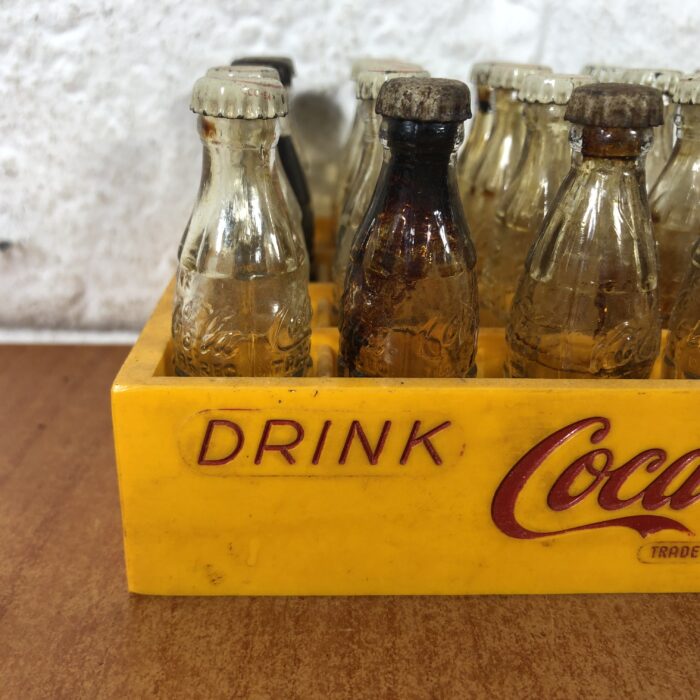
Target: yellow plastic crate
324	485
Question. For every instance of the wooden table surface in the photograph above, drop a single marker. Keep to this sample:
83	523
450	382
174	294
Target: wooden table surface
69	629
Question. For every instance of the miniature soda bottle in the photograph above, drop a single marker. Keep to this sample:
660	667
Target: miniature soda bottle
682	357
544	163
587	304
664	136
471	154
352	150
410	307
286	147
501	155
365	178
674	199
241	302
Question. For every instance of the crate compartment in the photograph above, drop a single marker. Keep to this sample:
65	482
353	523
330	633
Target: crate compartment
326	485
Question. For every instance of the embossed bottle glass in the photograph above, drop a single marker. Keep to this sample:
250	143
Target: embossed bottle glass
682	356
472	153
544	163
674	199
664	136
587	304
286	147
409	308
241	303
501	155
366	173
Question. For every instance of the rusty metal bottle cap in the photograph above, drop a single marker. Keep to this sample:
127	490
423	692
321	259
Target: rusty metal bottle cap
664	80
509	76
687	91
425	100
361	65
369	82
239	97
604	74
282	64
616	105
550	88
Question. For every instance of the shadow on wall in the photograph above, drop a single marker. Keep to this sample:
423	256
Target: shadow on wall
318	123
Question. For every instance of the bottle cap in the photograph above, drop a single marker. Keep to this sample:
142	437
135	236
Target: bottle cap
369	82
550	88
361	65
481	73
247	70
604	74
509	76
616	105
664	80
687	90
239	97
282	64
424	100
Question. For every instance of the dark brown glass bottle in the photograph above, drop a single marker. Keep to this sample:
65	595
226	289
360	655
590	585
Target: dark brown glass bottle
409	307
286	149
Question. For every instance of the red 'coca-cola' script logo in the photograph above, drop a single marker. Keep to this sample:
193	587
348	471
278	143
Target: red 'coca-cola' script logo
607	480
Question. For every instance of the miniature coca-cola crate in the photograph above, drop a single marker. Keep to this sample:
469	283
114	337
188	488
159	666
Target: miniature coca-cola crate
326	485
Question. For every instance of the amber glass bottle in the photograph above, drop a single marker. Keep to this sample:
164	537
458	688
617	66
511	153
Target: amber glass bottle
473	151
545	161
241	301
286	147
674	199
587	304
664	136
682	357
409	308
501	155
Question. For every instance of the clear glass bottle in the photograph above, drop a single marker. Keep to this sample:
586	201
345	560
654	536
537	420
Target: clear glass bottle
410	307
501	155
544	163
352	150
365	178
602	73
674	198
682	357
587	304
470	156
241	302
664	136
286	146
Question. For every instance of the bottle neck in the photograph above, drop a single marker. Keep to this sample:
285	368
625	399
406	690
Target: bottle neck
485	98
508	112
547	143
611	143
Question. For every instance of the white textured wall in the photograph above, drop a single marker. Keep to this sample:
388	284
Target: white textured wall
99	159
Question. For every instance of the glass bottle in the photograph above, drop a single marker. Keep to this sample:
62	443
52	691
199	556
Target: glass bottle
602	73
410	307
682	357
286	147
241	301
674	198
666	81
352	150
587	304
545	161
501	155
365	178
471	154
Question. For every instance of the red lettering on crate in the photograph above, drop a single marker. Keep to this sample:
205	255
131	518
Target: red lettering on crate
321	441
424	439
372	455
607	480
203	461
283	449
